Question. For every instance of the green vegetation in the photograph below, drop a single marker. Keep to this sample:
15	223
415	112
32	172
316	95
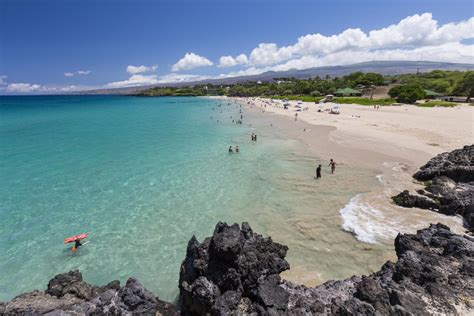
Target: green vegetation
440	81
304	98
434	103
364	101
466	85
407	88
408	93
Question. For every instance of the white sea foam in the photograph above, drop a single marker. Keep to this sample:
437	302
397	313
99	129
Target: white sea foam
379	177
367	223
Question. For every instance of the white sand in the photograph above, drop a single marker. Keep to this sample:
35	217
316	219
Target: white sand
393	141
412	134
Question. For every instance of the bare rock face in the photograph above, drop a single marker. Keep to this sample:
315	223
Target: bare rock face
457	165
449	187
68	294
235	272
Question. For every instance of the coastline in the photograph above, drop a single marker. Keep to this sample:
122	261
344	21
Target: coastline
392	156
406	132
335	228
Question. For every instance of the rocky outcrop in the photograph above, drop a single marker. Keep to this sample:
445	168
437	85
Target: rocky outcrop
68	294
236	272
406	199
457	165
449	180
235	269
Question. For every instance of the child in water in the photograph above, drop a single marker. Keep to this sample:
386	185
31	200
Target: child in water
237	150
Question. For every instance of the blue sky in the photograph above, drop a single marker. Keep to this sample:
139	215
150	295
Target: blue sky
54	46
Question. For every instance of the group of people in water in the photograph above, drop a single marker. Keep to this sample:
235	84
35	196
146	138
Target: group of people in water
332	164
253	138
237	150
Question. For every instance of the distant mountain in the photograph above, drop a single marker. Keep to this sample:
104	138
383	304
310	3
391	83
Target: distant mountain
381	67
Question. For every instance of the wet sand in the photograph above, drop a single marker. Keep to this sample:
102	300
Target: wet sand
334	235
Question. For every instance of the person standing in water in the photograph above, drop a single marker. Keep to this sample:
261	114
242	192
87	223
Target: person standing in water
318	172
237	150
230	150
332	163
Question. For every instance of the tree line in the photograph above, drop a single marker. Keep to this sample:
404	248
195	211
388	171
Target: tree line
406	88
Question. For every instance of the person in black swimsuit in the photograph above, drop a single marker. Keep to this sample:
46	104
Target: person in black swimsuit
318	172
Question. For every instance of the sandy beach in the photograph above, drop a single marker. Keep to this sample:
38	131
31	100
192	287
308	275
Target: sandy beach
392	142
409	133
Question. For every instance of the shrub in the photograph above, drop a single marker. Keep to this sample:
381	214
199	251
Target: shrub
407	93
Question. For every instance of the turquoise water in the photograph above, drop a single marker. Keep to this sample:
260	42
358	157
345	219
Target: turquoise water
140	175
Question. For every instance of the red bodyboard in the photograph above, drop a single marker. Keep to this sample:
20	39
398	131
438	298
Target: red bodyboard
74	238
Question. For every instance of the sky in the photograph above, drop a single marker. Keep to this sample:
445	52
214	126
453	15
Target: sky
56	46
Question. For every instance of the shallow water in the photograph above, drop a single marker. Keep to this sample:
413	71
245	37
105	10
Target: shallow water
142	175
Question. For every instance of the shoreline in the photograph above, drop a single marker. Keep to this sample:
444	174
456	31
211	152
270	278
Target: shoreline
406	132
370	216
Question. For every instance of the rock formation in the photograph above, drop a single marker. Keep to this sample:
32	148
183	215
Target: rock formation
449	180
236	272
68	294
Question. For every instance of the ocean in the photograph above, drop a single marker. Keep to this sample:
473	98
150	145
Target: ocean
142	175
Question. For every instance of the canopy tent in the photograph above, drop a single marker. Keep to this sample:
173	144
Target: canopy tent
347	92
432	94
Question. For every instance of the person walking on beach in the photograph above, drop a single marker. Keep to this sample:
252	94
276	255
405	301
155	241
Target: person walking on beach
318	172
332	163
296	116
230	150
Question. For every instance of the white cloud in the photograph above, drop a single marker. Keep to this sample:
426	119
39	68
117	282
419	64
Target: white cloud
134	81
174	77
2	80
229	61
411	33
133	70
77	73
191	61
23	88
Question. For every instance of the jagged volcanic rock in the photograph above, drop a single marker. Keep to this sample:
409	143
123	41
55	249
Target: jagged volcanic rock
236	271
406	199
235	267
67	293
449	187
457	165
